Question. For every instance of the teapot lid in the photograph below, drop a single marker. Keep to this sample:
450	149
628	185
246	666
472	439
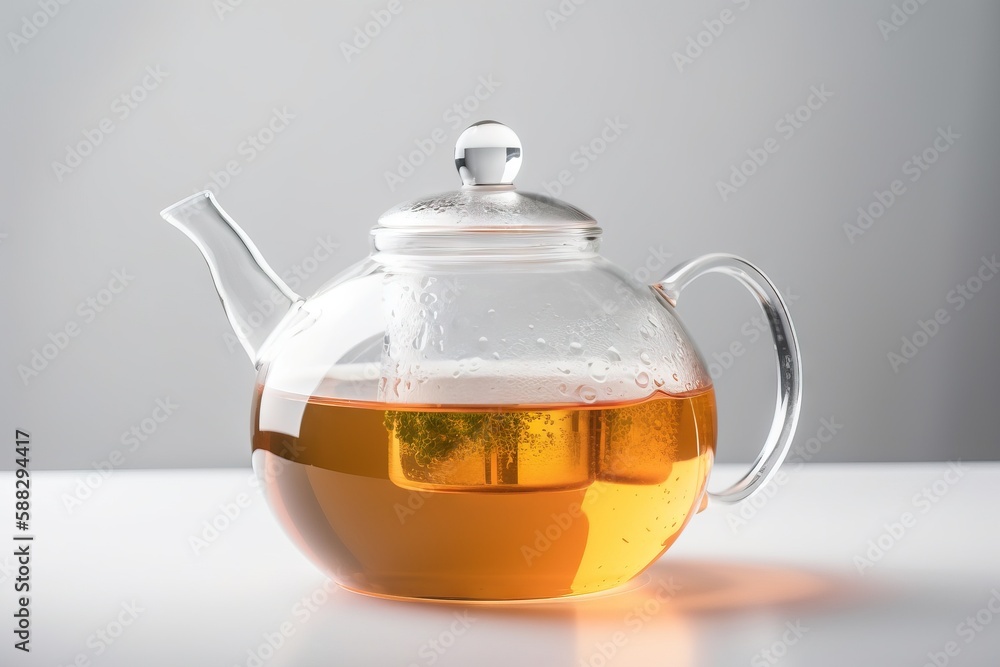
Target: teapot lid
488	156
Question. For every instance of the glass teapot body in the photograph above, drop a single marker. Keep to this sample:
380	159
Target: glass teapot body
496	429
484	408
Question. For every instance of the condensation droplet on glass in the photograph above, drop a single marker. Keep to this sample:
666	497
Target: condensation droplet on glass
587	393
496	355
541	342
676	379
613	354
483	342
598	370
576	348
427	298
421	338
644	358
642	379
531	326
645	332
658	381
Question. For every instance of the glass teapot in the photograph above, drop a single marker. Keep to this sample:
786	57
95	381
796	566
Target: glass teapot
484	408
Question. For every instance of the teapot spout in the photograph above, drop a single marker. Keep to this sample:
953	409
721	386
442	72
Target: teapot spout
256	300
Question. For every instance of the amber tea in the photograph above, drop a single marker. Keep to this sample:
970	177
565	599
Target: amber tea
486	502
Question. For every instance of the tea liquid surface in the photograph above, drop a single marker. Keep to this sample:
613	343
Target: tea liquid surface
485	502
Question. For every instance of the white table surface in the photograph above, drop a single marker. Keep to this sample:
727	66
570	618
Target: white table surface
737	589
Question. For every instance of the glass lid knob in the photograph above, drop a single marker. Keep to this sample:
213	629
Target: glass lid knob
488	153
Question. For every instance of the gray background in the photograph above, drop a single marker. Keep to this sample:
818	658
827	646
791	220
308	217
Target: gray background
655	186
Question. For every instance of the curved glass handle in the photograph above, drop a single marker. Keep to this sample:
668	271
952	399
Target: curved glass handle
786	412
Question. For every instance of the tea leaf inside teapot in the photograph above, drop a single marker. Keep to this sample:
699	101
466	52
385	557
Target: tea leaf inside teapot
432	436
